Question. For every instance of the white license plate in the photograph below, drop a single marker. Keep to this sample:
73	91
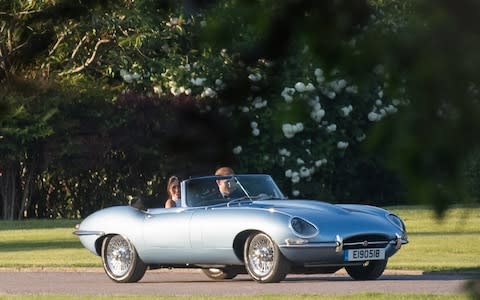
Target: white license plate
364	254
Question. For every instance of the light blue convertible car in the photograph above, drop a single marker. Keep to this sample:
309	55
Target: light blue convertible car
258	232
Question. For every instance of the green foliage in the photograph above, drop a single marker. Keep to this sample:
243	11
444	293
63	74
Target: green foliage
109	98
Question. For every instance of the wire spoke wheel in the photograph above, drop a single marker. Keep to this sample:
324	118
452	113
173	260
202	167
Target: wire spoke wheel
263	259
120	260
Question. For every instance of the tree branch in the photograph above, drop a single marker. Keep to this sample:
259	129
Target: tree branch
74	53
89	60
59	40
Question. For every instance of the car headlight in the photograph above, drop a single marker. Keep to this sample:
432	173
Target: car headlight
303	228
397	222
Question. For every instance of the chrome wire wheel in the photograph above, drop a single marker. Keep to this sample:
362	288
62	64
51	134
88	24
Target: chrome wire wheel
263	259
120	260
260	255
119	256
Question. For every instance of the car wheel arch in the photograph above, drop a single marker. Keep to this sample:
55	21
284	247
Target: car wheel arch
240	240
99	243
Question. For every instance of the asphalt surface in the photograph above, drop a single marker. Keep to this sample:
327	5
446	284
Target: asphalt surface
193	282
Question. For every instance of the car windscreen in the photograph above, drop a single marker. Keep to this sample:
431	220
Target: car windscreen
205	191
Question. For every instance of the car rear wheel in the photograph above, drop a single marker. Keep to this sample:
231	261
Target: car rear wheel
121	261
263	260
220	273
369	271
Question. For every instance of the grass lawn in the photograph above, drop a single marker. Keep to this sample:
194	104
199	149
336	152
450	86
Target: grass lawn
435	245
449	244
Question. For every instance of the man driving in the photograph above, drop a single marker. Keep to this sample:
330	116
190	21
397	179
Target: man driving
228	187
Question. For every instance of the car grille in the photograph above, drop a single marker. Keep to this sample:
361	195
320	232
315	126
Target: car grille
366	241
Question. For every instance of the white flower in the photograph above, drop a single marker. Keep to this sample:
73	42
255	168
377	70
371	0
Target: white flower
361	137
380	94
378	102
258	102
391	109
284	152
310	87
295	193
338	85
353	89
331	95
317	115
218	82
128	78
157	89
331	128
346	110
300	161
198	81
255	77
300	87
287	94
295	177
374	117
342	145
188	91
256	132
320	162
288	173
237	149
253	124
304	172
318	72
208	92
298	127
290	130
245	109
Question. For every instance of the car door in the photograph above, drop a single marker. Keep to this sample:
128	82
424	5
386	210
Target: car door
166	235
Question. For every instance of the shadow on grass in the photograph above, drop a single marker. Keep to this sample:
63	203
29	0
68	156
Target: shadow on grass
38	224
473	271
38	245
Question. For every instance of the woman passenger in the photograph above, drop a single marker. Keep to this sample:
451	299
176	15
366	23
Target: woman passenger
173	190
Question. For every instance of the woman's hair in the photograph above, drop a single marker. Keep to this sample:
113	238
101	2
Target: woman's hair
171	181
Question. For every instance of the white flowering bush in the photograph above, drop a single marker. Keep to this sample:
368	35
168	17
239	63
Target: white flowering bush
299	123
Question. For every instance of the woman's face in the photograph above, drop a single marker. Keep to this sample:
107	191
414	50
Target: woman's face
175	191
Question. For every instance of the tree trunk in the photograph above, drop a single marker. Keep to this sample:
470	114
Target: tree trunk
15	188
9	190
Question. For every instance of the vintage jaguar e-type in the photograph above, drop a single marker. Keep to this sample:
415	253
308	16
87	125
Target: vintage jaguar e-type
259	232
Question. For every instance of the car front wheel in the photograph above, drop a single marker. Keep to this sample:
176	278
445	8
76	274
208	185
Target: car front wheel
121	261
263	260
369	271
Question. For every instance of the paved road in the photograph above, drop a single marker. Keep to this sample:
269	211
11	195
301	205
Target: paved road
192	282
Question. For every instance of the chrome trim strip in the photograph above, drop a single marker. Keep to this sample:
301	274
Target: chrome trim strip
311	245
88	232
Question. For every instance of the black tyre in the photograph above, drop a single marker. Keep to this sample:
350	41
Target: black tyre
369	271
263	260
120	260
220	273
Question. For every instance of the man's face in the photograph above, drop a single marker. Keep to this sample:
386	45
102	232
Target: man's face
225	185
